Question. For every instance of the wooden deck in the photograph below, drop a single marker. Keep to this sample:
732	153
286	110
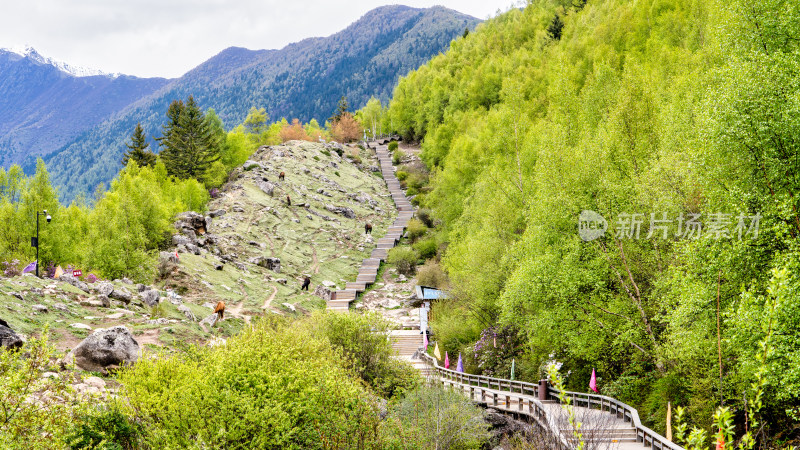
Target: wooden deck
368	273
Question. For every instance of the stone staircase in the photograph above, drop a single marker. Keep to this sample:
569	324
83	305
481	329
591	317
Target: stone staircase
368	272
406	343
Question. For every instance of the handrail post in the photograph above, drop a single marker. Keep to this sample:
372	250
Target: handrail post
543	390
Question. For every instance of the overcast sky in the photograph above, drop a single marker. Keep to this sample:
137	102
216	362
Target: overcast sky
169	37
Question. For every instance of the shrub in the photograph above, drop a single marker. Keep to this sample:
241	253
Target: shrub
431	274
435	417
425	215
11	269
398	156
105	428
361	338
426	248
404	259
326	152
30	420
401	175
270	386
415	229
393	146
91	278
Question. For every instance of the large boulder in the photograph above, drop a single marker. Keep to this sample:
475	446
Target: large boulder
266	186
273	264
104	349
121	294
104	288
150	297
8	339
323	292
341	210
68	278
191	223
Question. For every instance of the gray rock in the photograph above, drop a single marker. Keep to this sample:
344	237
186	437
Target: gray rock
150	297
104	288
60	307
210	320
179	239
341	210
80	326
281	281
141	288
17	295
104	348
121	294
273	264
323	292
266	186
216	213
39	308
219	266
328	283
290	306
94	302
187	312
68	278
8	338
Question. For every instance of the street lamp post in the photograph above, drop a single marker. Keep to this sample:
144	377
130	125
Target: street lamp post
35	240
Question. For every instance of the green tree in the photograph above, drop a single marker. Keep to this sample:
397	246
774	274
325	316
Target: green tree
137	149
256	121
189	144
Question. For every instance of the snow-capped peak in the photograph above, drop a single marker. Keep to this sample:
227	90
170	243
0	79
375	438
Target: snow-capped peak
77	71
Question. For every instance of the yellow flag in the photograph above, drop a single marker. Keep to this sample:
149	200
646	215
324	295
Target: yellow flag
436	352
59	272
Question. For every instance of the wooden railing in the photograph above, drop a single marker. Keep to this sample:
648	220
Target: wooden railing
527	394
645	435
519	392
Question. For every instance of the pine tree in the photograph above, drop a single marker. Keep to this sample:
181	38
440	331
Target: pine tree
341	108
138	149
189	144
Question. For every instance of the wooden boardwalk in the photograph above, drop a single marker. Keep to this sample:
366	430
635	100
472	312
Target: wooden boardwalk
368	272
605	422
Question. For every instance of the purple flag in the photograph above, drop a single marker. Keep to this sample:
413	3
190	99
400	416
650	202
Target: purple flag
593	382
446	361
460	365
30	267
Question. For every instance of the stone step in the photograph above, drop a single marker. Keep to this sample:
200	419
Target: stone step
368	279
347	294
356	286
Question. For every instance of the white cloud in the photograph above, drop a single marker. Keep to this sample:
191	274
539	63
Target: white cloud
168	38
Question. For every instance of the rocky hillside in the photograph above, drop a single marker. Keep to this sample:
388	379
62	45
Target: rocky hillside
251	250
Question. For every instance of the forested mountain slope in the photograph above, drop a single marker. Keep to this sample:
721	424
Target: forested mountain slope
674	120
43	107
304	80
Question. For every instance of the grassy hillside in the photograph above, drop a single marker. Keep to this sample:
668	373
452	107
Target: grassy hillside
309	241
682	109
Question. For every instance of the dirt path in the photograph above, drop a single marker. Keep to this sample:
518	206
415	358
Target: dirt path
271	297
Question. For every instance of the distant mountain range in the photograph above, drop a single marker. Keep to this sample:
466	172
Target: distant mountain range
79	124
45	104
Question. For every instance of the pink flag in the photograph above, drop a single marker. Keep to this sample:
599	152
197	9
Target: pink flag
593	382
30	267
446	361
426	342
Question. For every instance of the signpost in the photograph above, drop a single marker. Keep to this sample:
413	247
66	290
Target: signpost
76	273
